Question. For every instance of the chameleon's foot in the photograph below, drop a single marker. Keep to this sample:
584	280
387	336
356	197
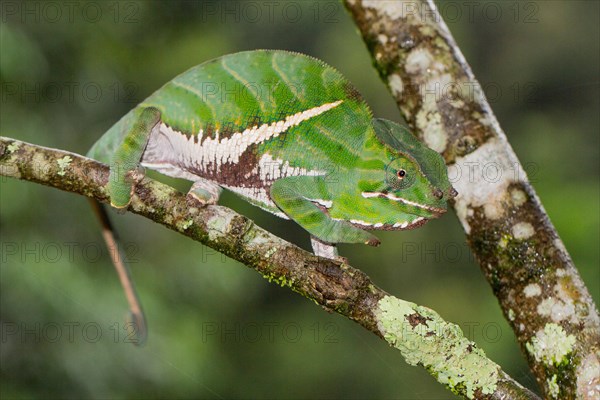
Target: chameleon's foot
373	242
131	178
121	195
125	169
341	259
203	193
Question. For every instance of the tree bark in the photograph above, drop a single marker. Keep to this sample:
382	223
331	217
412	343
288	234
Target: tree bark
531	273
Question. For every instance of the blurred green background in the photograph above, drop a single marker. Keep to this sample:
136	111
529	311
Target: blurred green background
69	70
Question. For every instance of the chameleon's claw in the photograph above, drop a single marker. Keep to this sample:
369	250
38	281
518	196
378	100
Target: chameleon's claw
373	242
341	259
119	207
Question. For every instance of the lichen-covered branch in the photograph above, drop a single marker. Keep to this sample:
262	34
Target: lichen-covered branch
420	334
539	289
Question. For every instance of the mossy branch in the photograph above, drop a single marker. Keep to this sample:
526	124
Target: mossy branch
537	285
420	334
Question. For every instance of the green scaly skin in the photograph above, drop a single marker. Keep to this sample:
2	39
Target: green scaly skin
332	168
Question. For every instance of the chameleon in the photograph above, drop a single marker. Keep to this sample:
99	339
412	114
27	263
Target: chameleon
287	133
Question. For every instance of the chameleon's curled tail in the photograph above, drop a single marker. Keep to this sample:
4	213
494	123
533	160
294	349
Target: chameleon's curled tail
110	237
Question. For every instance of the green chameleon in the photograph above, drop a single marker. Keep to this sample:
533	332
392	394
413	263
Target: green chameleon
287	133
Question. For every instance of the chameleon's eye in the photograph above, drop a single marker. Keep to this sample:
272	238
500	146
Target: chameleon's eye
399	174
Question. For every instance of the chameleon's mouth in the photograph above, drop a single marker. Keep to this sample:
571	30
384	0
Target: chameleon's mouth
435	210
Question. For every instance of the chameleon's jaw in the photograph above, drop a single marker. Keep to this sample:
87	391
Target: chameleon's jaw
436	211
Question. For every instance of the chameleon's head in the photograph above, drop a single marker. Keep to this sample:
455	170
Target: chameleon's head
414	185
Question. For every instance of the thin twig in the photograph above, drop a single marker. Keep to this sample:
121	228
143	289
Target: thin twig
420	334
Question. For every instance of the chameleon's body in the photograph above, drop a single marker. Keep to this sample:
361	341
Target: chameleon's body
287	133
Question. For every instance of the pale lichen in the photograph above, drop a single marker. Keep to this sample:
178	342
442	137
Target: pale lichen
424	338
522	230
553	388
434	134
532	290
389	7
418	61
561	306
270	252
13	147
557	310
551	345
518	197
493	211
588	377
185	225
395	84
428	118
427	30
462	212
63	163
483	182
511	314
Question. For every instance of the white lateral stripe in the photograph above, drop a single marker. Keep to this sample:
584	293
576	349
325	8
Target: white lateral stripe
368	195
400	225
220	151
270	169
324	203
